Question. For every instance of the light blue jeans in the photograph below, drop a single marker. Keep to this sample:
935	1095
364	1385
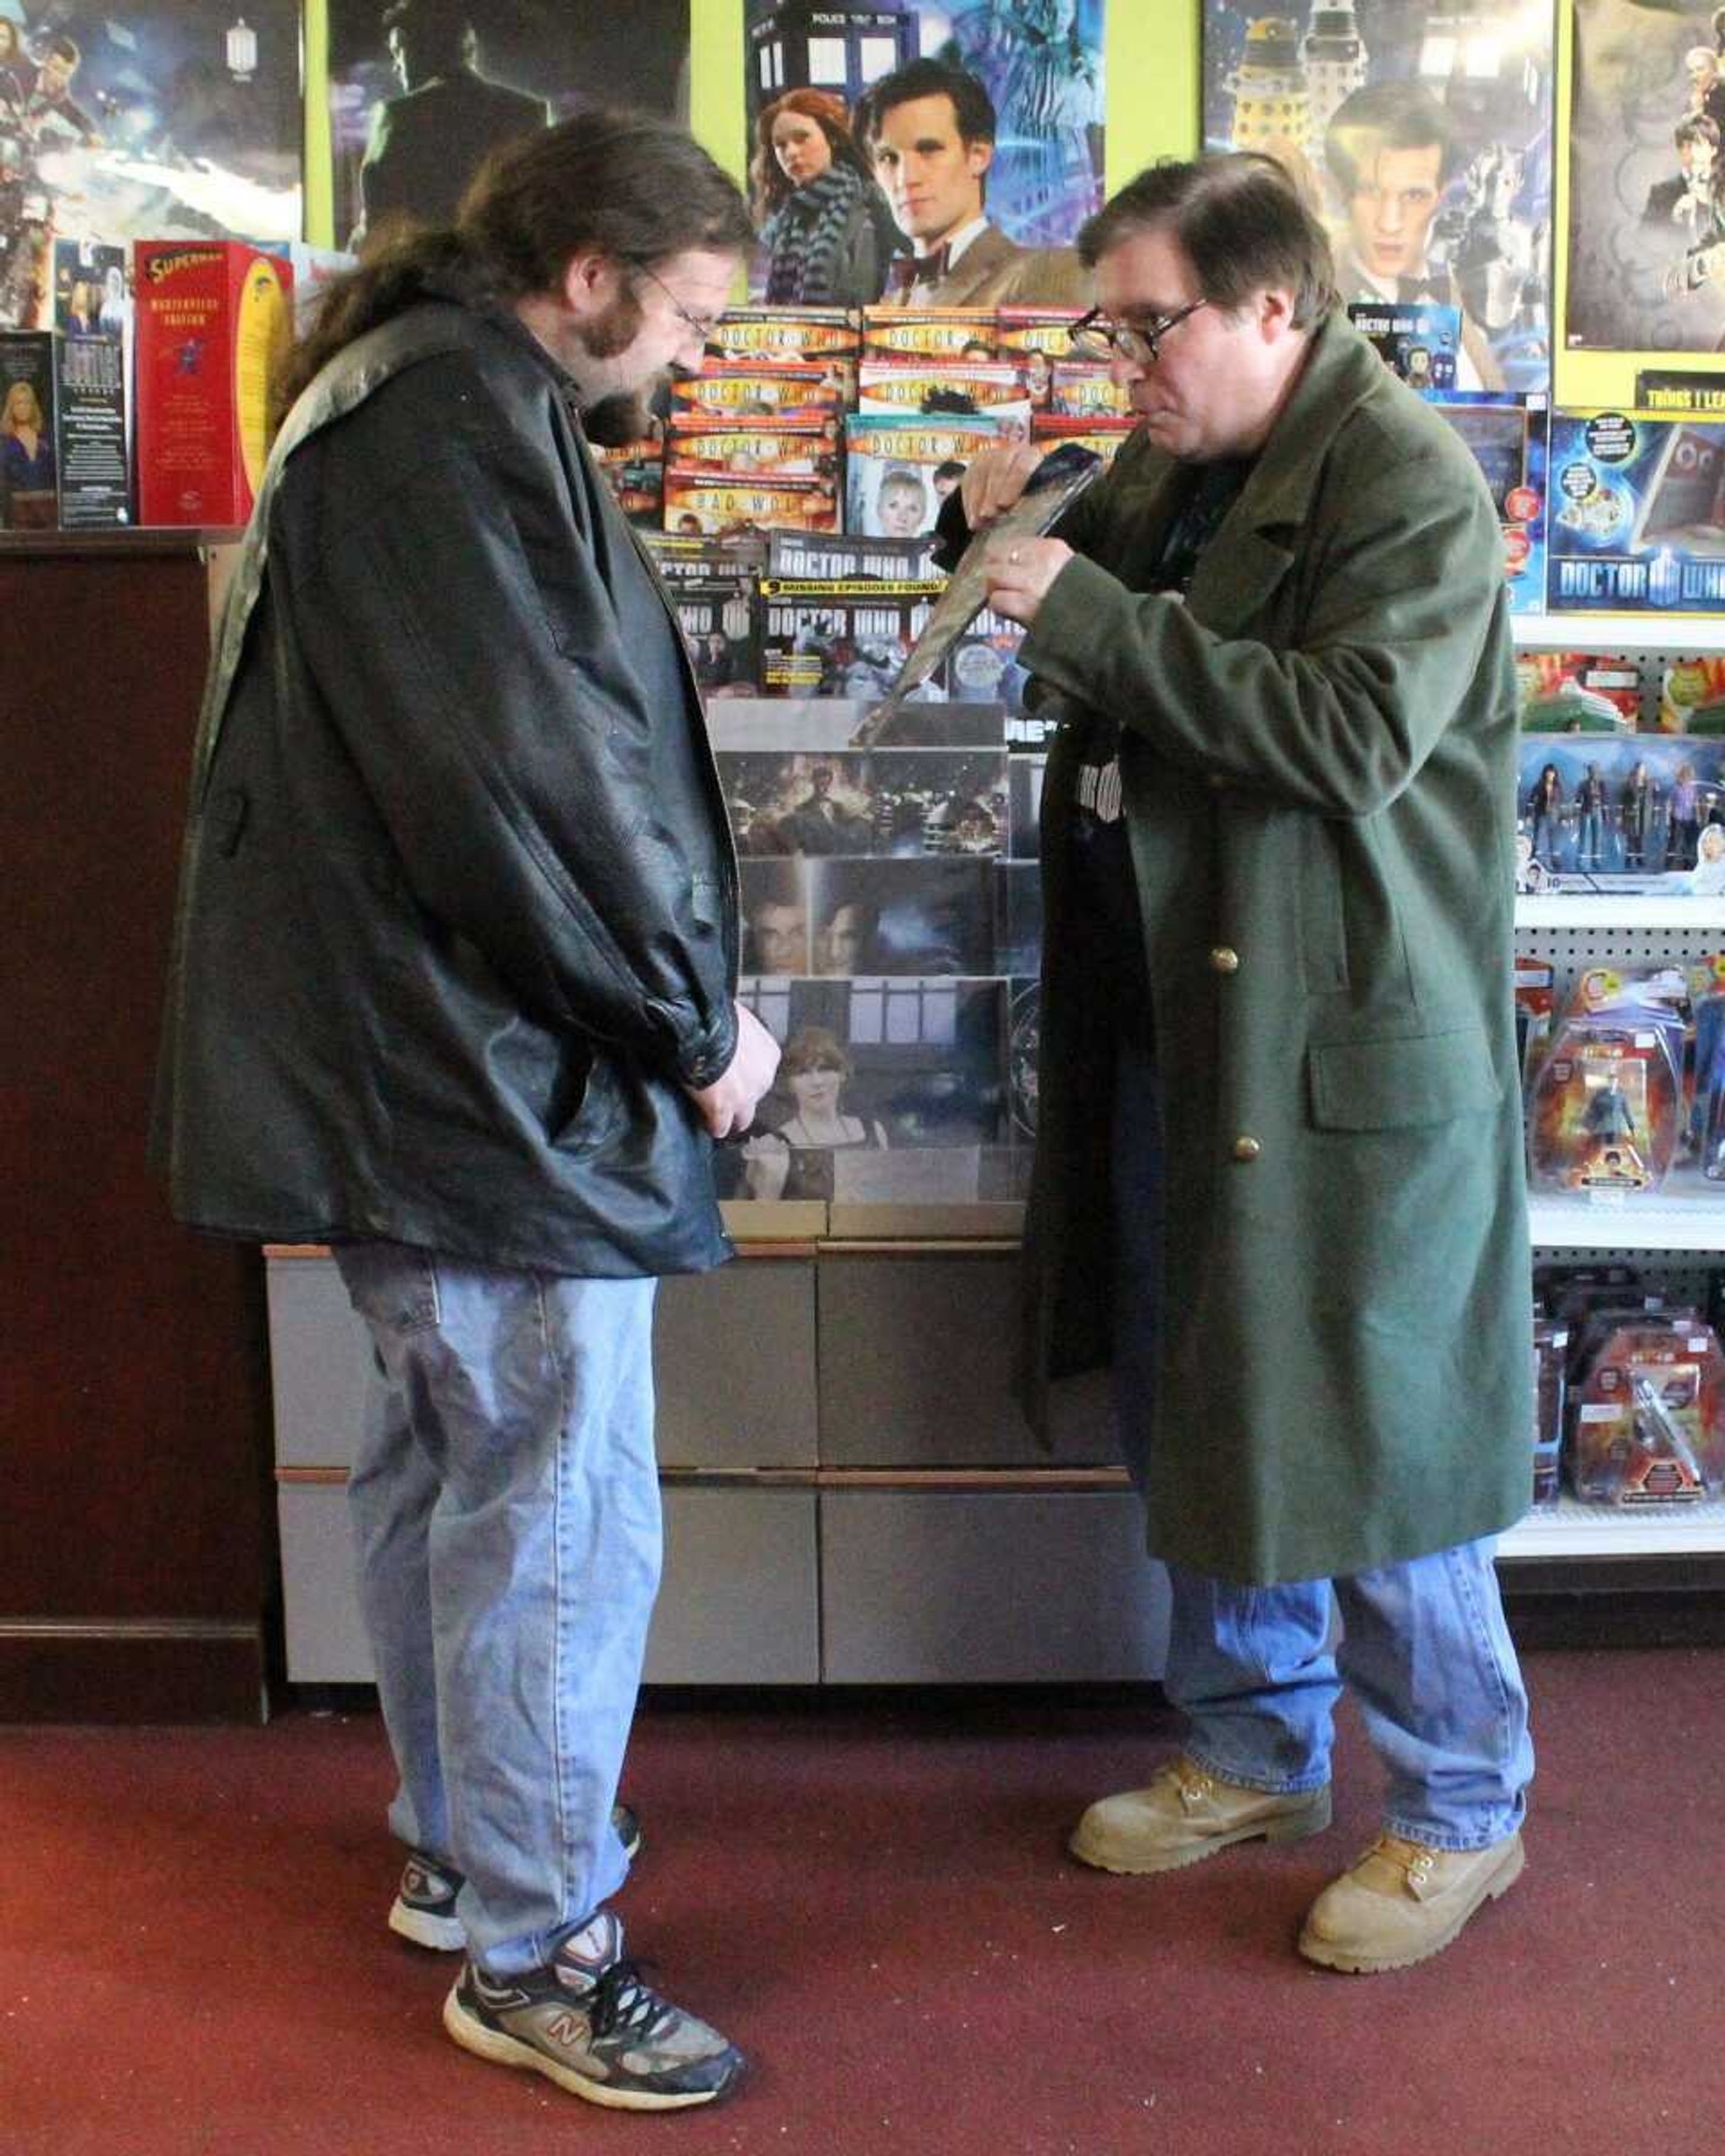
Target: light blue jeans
1423	1646
505	1506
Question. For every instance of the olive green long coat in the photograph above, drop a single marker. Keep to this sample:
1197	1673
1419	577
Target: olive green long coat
1317	762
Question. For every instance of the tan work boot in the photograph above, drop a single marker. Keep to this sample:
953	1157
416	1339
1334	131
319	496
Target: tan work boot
1403	1902
1187	1814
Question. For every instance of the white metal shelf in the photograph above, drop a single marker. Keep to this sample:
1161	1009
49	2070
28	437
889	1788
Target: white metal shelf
1568	1528
1687	1215
1617	631
1603	910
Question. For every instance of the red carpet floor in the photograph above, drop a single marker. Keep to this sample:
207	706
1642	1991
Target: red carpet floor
870	1896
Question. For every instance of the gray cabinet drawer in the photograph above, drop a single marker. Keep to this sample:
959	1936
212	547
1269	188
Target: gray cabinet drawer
915	1368
951	1588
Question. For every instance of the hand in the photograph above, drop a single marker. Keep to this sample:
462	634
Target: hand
727	1105
1019	572
993	480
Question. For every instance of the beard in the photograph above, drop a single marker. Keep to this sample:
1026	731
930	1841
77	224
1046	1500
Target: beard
613	417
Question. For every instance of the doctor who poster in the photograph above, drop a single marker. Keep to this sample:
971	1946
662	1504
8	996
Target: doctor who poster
158	119
420	91
1647	184
1422	135
1037	63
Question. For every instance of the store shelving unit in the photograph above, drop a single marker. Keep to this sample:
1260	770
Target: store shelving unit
1674	1236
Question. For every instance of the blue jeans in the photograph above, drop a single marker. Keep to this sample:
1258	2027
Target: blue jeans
1423	1645
505	1506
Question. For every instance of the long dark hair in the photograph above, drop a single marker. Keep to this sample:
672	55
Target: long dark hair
767	183
617	182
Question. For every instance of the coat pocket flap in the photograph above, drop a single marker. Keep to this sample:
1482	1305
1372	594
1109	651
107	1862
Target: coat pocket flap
1392	1085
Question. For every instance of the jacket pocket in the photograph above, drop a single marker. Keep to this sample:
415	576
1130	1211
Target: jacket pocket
1402	1084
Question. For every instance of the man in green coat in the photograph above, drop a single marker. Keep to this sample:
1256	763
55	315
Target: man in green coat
1279	1183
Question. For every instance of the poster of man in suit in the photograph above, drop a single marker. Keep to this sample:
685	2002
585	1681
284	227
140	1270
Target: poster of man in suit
975	131
420	91
1646	189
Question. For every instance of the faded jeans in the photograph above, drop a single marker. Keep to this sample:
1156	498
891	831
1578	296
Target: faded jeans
1423	1645
505	1506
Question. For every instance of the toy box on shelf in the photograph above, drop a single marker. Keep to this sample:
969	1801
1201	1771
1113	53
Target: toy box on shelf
214	328
1638	514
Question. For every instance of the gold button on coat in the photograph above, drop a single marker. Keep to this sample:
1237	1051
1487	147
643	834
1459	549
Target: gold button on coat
1224	960
1246	1149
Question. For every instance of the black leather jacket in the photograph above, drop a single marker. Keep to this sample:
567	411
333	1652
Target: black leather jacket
457	917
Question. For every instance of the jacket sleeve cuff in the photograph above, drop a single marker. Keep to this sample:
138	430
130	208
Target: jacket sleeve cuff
708	1059
1077	627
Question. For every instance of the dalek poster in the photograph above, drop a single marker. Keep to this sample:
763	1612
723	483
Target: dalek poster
1647	181
1025	127
1422	136
416	106
173	119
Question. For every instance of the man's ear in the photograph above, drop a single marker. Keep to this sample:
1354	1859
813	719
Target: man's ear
978	157
1275	312
590	282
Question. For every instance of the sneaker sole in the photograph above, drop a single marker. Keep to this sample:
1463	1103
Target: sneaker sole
1372	1965
445	1934
1285	1826
501	2050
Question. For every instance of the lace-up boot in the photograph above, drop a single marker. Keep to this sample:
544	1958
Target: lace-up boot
1403	1901
1188	1814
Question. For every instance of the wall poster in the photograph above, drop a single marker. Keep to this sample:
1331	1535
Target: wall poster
1647	192
420	89
856	205
153	119
1422	134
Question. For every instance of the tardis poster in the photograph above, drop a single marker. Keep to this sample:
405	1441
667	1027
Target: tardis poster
1422	135
1038	61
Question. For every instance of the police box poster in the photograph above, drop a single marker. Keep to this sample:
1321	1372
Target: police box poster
173	119
420	91
1037	64
1422	136
1647	182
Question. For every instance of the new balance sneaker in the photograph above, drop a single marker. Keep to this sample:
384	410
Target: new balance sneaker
425	1901
588	2022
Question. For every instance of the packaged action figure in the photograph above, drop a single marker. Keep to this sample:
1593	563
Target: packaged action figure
1649	1418
1605	1111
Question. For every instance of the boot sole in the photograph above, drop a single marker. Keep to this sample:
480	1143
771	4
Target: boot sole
1283	1826
501	2050
1372	1965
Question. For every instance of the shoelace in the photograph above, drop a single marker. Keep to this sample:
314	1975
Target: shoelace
621	2003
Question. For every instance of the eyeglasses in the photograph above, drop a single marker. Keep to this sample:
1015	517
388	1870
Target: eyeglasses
1094	337
702	328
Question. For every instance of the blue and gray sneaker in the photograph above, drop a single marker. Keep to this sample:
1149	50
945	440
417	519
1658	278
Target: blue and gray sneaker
587	2021
425	1901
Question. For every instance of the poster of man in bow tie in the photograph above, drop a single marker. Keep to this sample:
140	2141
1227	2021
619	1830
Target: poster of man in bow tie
1423	138
974	128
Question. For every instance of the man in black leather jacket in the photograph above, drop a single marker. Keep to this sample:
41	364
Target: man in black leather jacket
453	989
